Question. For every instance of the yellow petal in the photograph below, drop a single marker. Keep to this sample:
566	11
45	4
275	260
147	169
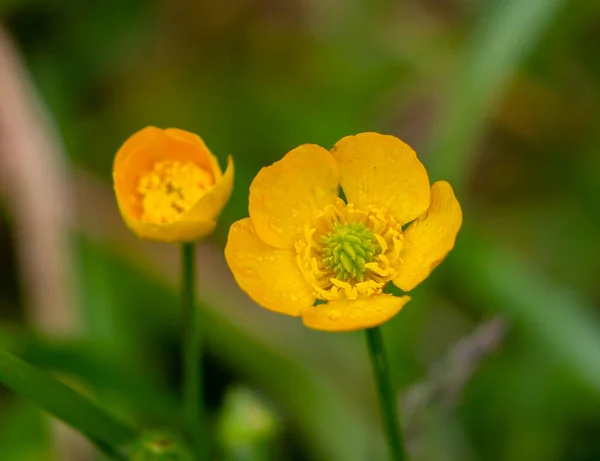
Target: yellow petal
175	232
381	170
429	238
146	136
195	139
285	195
210	204
152	144
350	315
270	276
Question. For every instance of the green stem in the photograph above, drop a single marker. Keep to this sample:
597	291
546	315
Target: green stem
387	400
65	403
193	409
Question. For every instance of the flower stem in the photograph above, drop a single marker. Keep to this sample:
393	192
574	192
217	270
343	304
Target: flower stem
193	408
387	400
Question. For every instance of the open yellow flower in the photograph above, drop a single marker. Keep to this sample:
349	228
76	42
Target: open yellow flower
169	186
302	243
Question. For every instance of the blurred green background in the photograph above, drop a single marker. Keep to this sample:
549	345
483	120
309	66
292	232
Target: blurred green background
499	97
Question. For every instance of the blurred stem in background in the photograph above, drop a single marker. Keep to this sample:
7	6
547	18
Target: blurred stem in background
193	407
386	394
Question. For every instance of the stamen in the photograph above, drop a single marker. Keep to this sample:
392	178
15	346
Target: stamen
170	189
349	252
347	248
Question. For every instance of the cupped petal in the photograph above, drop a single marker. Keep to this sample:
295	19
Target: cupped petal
143	150
285	196
174	232
350	315
270	276
212	202
429	238
150	135
195	139
377	169
166	144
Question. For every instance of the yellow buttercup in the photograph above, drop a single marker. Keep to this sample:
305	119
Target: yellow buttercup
169	186
303	243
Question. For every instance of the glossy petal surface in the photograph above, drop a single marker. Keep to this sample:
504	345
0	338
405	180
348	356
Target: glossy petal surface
193	138
270	276
285	196
350	315
377	169
210	204
428	239
175	232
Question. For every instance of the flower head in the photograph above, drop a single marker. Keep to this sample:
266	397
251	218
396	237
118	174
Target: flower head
169	186
302	243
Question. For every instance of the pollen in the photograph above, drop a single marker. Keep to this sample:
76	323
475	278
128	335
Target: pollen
170	189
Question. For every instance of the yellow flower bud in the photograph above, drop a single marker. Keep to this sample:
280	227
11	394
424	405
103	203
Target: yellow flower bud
169	186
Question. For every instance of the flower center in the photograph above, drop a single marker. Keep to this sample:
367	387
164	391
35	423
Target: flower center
348	247
349	252
170	189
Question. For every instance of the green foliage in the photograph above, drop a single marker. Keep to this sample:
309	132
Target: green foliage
64	403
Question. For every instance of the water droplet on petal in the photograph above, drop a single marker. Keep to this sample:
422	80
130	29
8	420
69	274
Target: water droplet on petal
295	212
335	315
275	228
259	259
240	254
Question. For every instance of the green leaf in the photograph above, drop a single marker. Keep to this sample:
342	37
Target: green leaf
24	434
556	317
134	392
64	403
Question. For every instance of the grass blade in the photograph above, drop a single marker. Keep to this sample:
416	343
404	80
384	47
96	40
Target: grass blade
63	402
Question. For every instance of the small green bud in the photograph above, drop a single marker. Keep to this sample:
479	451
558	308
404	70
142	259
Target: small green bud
159	446
247	427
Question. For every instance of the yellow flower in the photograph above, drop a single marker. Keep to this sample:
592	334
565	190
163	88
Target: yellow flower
169	186
302	243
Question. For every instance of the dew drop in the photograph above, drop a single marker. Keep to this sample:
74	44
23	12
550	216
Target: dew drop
259	259
295	212
335	315
275	228
240	255
272	259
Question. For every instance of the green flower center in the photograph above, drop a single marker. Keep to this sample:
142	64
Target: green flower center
348	248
